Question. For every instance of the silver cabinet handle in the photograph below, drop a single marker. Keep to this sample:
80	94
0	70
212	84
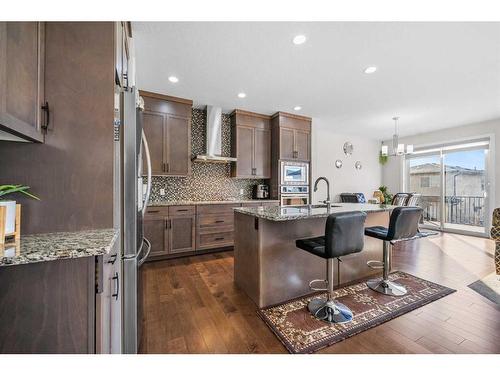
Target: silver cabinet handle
117	286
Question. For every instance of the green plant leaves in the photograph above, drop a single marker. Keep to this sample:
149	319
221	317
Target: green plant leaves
10	189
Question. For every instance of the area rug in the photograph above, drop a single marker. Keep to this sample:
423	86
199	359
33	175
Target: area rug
300	332
488	287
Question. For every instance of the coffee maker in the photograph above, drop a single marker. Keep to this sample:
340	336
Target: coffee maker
260	192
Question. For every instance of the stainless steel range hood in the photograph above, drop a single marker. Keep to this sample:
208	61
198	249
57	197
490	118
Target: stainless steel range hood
214	139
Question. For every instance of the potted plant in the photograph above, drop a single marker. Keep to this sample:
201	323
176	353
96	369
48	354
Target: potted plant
10	222
386	194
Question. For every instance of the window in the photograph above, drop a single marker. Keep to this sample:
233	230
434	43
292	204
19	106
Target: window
425	182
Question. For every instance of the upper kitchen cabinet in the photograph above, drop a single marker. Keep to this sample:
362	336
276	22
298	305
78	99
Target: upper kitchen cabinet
23	112
250	144
167	126
291	136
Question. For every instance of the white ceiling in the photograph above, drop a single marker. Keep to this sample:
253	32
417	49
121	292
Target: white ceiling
432	75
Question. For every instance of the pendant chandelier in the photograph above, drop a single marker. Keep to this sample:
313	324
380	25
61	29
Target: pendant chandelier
398	149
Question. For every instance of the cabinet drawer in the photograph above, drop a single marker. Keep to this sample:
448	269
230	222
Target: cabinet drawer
214	240
216	208
157	211
181	210
215	220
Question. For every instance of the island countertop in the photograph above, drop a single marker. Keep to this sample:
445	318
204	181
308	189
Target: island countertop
46	247
277	213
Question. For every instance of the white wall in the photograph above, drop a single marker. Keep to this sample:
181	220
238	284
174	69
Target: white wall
327	146
391	172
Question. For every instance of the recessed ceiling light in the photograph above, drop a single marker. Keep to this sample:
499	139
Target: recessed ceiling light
173	79
242	95
299	39
297	108
371	69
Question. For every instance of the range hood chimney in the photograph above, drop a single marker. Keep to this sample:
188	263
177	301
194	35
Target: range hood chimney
214	139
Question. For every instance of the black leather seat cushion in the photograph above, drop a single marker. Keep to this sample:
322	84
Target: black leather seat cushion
343	236
377	232
314	245
403	224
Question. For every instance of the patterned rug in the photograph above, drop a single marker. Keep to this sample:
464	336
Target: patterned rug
300	332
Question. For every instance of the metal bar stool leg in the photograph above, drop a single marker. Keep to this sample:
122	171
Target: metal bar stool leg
328	309
384	285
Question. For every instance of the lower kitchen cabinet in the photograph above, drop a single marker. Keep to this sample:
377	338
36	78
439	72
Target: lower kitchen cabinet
171	230
108	304
186	229
181	233
48	307
156	231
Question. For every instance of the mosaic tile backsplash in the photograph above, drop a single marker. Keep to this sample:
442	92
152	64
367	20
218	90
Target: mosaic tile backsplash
208	181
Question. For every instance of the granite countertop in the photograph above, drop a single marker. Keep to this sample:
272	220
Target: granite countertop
46	247
189	203
307	212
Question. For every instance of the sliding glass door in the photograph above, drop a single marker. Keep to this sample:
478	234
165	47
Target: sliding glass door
424	177
465	190
453	182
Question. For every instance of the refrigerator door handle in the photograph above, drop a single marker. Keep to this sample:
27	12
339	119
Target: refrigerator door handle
143	259
148	163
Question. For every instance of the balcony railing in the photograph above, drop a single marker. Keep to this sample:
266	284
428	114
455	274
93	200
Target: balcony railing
459	209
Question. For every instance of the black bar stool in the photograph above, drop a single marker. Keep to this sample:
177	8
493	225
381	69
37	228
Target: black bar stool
343	236
403	225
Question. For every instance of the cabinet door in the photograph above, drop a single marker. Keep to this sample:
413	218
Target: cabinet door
287	143
177	145
181	234
302	145
153	125
116	305
262	153
21	78
244	151
103	305
155	230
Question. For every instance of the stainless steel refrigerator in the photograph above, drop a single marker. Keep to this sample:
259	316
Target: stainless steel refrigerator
131	202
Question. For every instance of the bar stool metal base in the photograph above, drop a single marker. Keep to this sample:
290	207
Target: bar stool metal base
387	287
330	311
383	284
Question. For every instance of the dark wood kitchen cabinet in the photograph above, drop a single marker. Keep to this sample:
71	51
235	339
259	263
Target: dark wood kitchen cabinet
182	233
167	126
48	307
250	144
291	137
22	62
156	230
171	230
108	303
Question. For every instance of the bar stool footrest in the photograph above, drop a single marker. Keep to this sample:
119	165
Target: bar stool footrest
375	264
316	289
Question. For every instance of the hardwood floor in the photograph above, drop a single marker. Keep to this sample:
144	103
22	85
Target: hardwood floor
192	306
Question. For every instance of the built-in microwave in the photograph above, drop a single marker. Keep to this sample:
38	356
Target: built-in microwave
294	173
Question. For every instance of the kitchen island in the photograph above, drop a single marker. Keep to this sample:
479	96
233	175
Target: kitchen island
271	269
